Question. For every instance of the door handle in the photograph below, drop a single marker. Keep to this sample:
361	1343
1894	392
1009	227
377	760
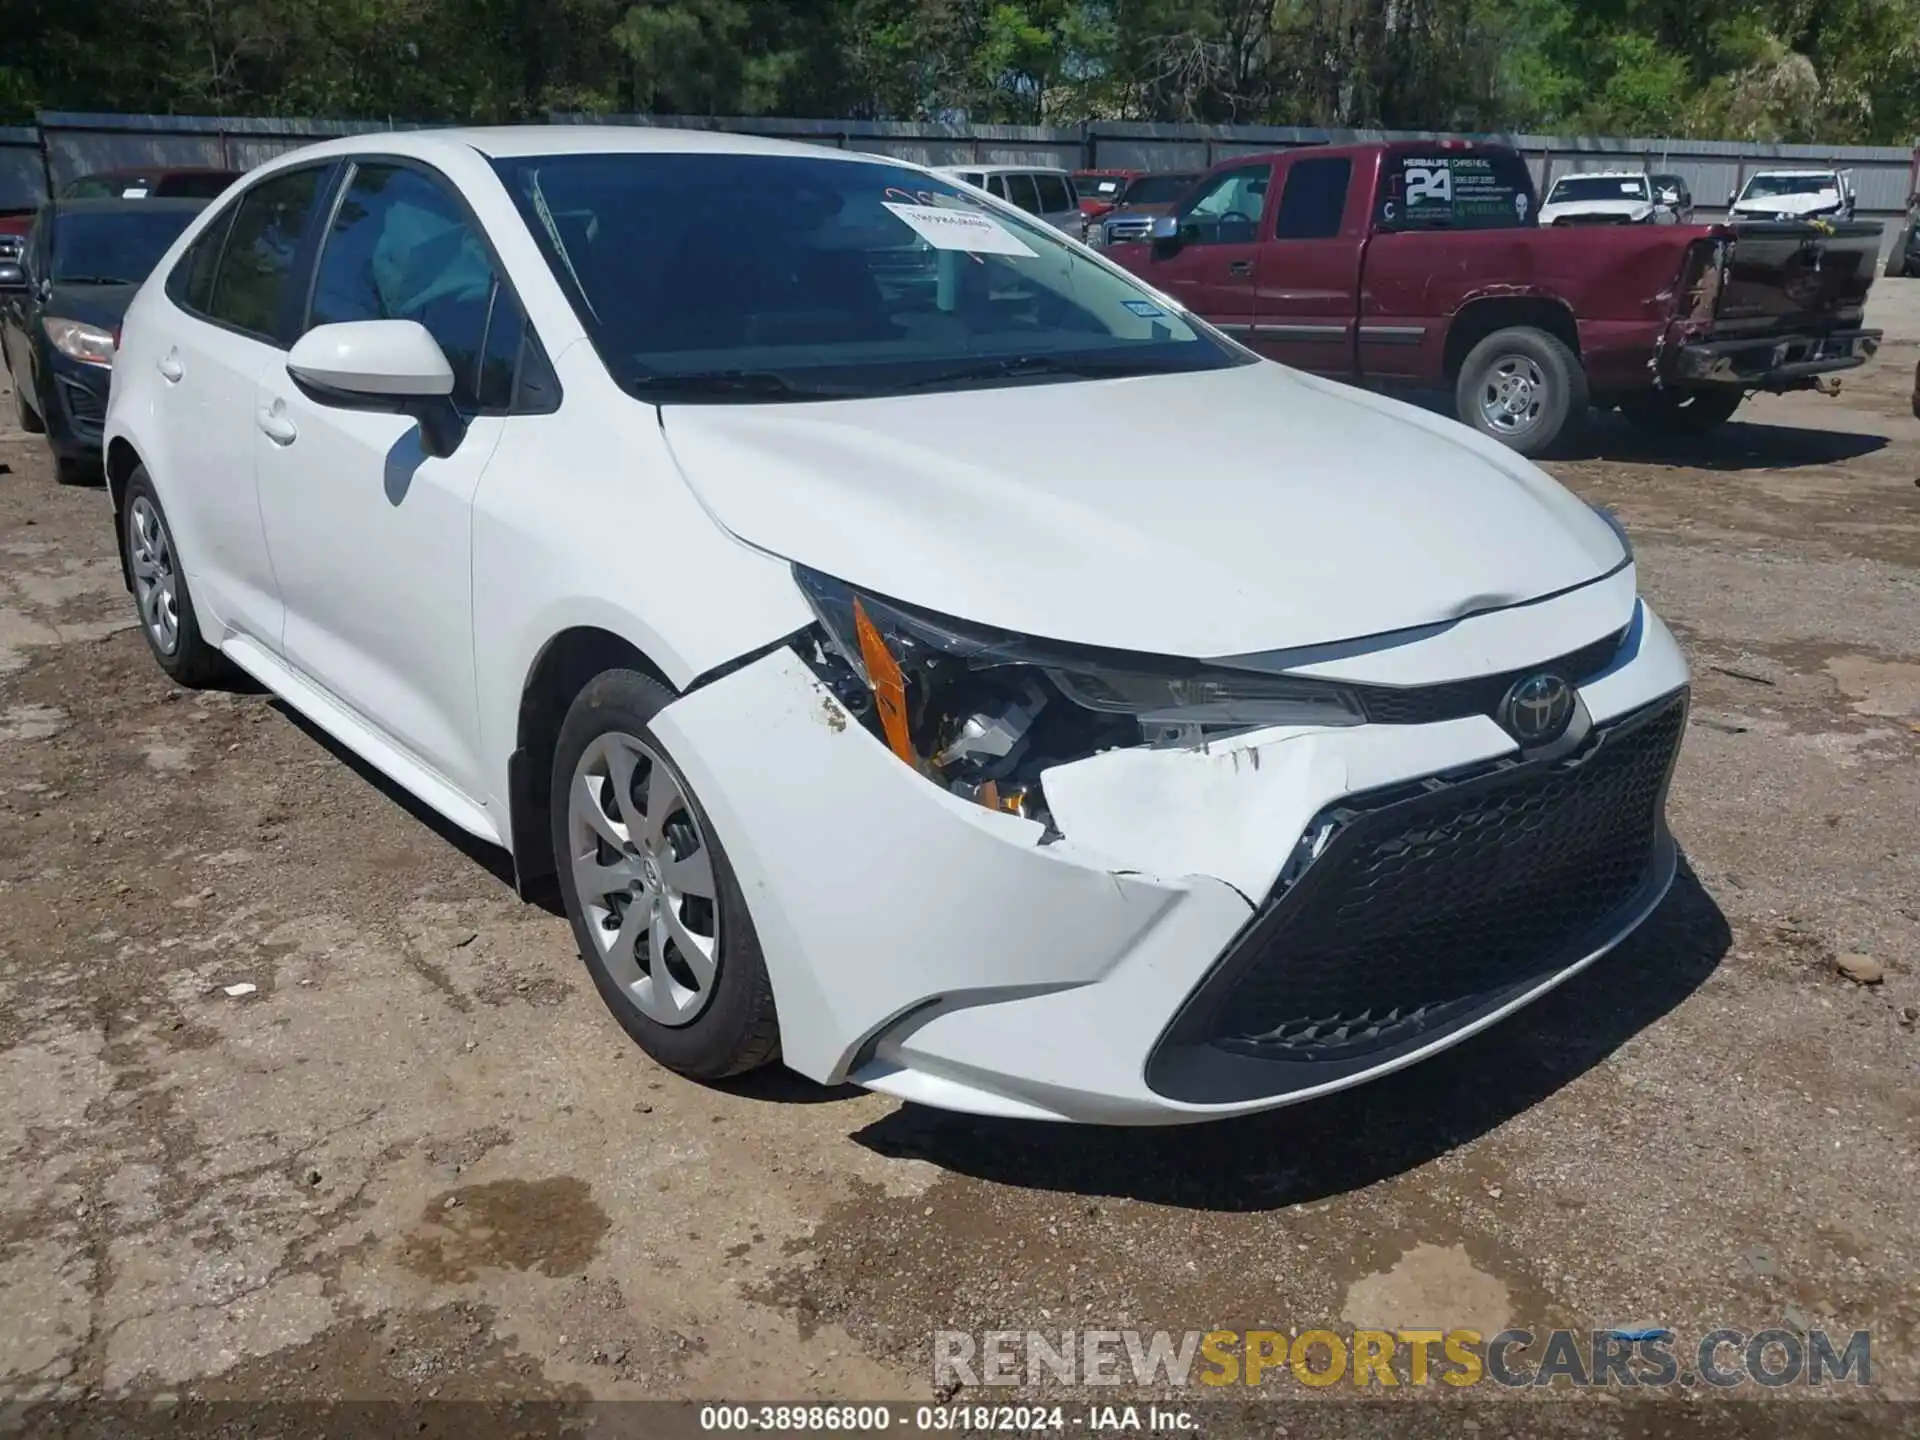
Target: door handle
275	425
1240	268
170	367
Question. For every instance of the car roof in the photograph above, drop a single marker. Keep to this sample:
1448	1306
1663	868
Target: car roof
1756	174
505	142
119	205
1601	175
1003	169
124	172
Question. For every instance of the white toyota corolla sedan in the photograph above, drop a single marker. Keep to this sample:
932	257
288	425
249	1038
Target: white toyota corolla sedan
709	522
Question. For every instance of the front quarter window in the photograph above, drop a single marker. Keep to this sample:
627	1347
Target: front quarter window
746	277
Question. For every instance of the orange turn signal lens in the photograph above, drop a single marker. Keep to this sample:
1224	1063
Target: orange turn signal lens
889	684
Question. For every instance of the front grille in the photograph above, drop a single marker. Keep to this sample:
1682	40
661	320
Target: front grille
1425	908
1425	704
1133	227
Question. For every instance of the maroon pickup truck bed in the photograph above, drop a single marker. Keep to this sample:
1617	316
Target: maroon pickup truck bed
1397	263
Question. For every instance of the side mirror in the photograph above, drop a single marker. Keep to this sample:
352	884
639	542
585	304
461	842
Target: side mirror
13	279
1165	234
391	366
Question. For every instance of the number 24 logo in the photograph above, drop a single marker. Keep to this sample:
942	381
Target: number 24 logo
1429	183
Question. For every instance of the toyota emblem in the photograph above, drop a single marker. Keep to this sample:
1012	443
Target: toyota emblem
1537	709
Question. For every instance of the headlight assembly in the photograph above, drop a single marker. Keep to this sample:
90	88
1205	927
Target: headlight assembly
983	711
78	340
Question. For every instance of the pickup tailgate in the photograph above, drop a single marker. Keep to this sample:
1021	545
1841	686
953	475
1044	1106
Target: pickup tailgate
1796	276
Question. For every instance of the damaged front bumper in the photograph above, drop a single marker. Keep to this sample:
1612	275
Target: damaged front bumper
934	949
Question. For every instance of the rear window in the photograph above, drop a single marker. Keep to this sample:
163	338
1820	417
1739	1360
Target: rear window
1455	190
1054	194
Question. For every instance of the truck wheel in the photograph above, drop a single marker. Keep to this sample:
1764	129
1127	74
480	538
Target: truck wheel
1897	257
1681	412
1523	387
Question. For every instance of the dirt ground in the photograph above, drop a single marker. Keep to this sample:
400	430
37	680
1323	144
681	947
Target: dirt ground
419	1159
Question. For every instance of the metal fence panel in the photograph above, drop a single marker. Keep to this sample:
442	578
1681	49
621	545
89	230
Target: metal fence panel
68	145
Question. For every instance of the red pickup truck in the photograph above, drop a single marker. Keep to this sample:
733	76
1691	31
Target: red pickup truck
1422	265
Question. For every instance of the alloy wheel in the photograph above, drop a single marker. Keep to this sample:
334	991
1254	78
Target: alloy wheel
1513	394
155	583
644	873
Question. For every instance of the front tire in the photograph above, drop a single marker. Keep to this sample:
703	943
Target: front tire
656	909
24	415
1681	412
167	616
1524	388
76	470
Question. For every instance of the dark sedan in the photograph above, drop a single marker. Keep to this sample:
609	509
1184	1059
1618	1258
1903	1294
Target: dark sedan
60	313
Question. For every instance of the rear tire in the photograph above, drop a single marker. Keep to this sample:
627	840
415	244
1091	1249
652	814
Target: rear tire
167	617
1681	412
661	925
1524	388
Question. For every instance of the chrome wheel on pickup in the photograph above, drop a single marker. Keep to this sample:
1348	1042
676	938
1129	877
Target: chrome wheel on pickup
1523	387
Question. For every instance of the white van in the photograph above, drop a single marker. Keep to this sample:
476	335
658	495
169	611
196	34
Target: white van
1037	190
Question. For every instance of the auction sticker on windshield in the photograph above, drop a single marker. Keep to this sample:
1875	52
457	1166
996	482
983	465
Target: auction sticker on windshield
967	230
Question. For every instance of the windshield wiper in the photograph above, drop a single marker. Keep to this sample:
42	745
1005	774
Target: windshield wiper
91	280
731	385
1016	367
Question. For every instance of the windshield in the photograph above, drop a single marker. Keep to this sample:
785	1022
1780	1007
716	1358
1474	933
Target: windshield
1762	186
1158	189
782	276
113	247
1598	187
1099	187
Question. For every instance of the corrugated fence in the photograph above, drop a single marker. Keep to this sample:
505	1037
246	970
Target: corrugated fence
63	146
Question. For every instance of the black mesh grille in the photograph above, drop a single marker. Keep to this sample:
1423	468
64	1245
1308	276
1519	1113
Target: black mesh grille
87	408
1422	909
1425	704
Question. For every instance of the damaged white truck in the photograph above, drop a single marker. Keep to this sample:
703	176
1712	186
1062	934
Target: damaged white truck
705	520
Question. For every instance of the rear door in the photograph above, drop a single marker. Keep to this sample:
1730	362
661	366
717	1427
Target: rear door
1211	270
234	289
1309	269
1058	205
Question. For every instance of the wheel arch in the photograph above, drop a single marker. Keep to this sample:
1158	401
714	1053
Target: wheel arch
559	672
122	461
1479	318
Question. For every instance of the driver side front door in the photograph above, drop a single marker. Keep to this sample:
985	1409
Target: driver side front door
1212	270
371	537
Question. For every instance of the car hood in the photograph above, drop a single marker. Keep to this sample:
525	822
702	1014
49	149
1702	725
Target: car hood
102	305
1247	509
1633	209
1789	204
